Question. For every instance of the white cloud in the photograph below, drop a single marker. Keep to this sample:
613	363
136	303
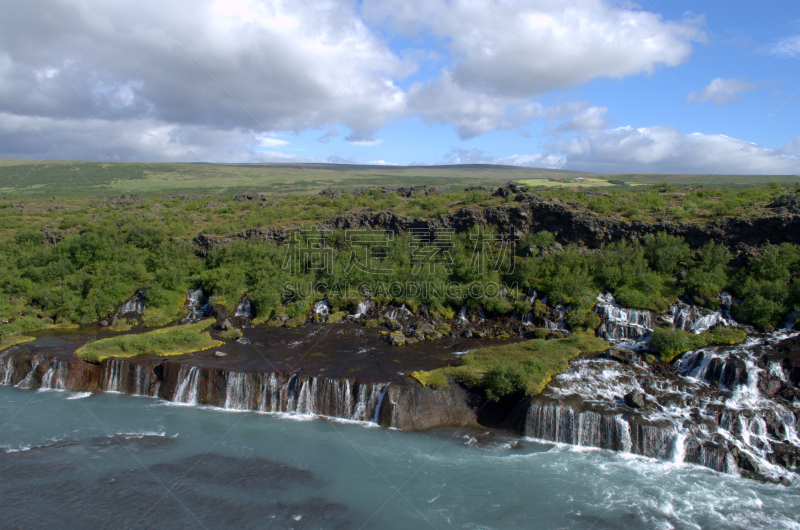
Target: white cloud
478	156
328	136
666	150
143	139
723	91
507	52
261	66
586	120
788	47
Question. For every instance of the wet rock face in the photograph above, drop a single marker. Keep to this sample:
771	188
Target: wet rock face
634	399
719	407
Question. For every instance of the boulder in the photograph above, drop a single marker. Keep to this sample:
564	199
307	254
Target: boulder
634	399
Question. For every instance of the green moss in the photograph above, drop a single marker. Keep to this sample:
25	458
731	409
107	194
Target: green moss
336	317
670	343
296	321
177	340
13	340
232	334
527	366
442	327
120	325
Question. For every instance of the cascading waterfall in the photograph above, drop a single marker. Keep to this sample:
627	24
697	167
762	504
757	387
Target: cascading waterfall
112	377
134	305
28	381
362	308
694	319
558	324
244	309
56	377
621	325
711	412
9	368
197	305
397	312
322	309
462	314
189	379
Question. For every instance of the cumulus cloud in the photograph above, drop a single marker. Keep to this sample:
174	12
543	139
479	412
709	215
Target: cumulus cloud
723	91
588	119
478	156
510	51
666	150
328	136
232	65
135	140
788	47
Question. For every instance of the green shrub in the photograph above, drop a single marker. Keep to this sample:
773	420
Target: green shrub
502	381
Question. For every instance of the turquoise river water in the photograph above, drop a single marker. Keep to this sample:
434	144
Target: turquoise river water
73	460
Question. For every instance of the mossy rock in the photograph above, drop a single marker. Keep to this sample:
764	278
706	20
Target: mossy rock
232	334
120	325
373	322
442	327
336	317
296	322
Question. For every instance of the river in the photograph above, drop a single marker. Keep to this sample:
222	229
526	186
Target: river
79	460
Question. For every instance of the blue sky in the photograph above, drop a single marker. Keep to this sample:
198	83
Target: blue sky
593	85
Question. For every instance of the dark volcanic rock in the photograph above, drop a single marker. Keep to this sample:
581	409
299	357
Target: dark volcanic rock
634	399
570	222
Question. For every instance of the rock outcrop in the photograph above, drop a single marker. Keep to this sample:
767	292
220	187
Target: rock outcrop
570	222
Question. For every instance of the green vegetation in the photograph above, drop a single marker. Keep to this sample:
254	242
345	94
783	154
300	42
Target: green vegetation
13	340
176	340
231	334
670	343
526	366
71	178
111	250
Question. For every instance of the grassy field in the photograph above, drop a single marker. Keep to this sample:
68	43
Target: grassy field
19	178
27	178
586	182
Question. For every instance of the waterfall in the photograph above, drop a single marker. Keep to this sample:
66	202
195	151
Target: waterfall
462	314
244	309
322	309
378	402
239	393
678	453
28	381
135	304
112	376
197	305
559	312
362	308
8	370
270	393
621	325
694	319
186	392
711	412
56	377
397	312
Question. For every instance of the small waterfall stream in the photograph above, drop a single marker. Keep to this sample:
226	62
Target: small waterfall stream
186	391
